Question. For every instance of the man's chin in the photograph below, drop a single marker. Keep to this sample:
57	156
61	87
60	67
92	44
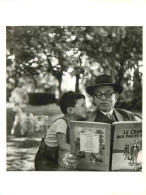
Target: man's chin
105	108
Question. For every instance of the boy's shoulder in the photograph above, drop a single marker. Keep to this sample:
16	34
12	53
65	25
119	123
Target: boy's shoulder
62	121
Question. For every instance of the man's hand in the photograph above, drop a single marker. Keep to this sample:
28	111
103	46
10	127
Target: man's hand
139	161
138	168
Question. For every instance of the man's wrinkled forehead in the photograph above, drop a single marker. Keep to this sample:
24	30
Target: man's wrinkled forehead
103	88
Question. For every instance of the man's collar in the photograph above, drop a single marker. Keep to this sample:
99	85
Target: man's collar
105	113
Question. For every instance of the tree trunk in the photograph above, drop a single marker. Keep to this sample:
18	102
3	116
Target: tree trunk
59	87
77	83
35	82
137	90
16	82
121	72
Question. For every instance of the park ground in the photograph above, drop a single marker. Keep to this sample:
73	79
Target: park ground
21	150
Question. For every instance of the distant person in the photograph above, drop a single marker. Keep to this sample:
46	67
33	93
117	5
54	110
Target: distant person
105	93
19	95
21	125
18	128
57	138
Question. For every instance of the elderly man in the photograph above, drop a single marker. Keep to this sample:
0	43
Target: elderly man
105	93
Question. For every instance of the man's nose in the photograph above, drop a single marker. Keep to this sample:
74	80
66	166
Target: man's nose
103	97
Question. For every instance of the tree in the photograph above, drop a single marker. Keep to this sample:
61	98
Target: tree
88	50
40	50
116	51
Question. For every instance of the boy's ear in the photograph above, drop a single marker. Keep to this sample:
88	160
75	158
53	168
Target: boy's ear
70	110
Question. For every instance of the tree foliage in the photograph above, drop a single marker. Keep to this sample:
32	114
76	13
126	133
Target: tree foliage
89	50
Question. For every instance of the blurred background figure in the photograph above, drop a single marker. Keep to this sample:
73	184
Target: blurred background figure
19	96
18	128
23	123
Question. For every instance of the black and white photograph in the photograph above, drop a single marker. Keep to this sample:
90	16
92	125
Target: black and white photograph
73	88
58	74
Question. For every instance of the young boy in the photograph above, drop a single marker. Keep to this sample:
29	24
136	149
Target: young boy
57	139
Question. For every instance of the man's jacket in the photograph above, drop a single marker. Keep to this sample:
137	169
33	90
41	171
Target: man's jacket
118	114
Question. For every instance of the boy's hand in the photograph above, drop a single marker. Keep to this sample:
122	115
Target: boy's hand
70	161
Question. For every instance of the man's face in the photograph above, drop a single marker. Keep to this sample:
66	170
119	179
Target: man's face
102	102
80	109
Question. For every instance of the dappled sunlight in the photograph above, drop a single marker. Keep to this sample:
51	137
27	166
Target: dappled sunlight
50	60
21	150
21	153
17	139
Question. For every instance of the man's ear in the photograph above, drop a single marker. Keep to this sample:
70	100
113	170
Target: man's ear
70	110
117	96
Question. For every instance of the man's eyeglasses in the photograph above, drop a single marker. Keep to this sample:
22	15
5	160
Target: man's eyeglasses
107	94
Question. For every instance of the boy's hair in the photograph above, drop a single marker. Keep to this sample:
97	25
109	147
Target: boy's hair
69	99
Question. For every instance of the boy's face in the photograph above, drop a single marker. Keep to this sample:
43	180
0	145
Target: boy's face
79	110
